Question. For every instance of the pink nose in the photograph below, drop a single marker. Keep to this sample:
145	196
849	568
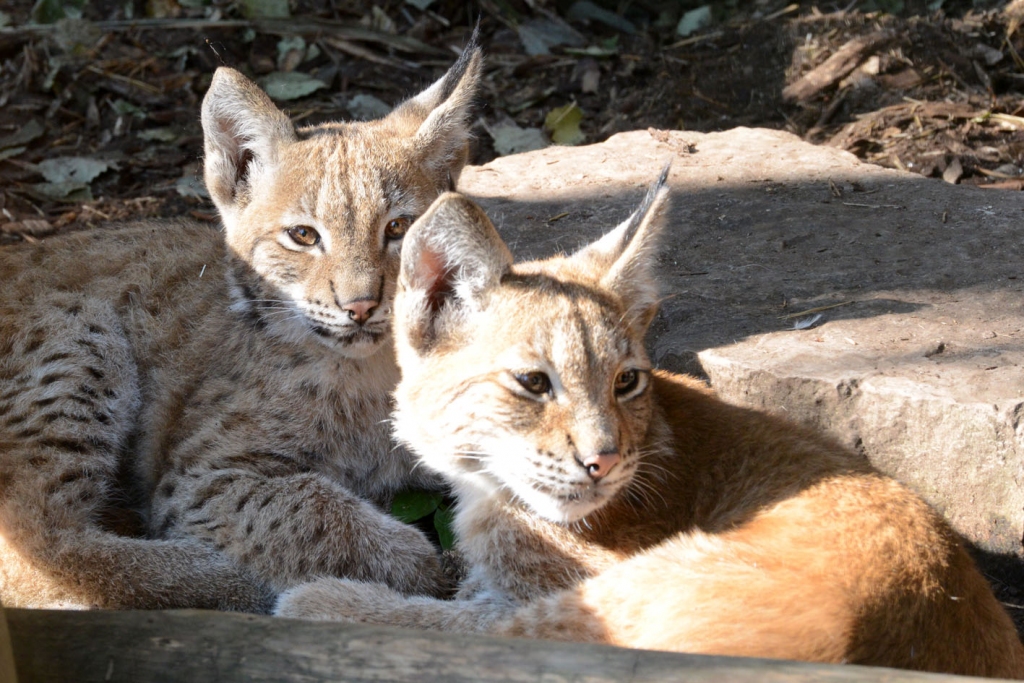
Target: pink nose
598	466
360	311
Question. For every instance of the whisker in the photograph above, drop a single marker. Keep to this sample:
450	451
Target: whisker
416	465
283	315
642	488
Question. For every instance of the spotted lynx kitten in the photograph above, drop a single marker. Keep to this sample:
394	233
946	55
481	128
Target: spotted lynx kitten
600	500
239	379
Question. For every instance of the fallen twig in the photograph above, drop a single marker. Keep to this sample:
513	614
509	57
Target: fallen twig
361	52
817	309
873	206
696	39
836	67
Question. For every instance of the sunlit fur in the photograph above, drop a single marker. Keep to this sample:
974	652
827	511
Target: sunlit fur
215	379
721	530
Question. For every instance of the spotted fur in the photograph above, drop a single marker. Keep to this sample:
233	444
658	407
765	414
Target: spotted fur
613	503
234	385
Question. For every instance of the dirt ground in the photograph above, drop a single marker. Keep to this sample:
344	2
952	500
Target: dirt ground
935	88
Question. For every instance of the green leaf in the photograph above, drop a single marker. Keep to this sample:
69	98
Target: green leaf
584	11
289	44
10	152
290	85
365	107
443	519
66	191
596	51
191	185
409	506
887	6
27	133
564	125
165	134
265	9
694	20
51	11
511	139
73	169
539	35
126	108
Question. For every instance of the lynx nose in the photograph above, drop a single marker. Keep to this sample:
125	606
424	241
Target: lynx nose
598	466
360	311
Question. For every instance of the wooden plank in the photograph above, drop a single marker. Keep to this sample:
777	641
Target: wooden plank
7	673
199	646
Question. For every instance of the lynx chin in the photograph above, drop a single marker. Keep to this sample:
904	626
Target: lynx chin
601	500
232	384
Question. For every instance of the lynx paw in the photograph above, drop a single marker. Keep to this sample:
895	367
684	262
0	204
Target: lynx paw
414	566
330	599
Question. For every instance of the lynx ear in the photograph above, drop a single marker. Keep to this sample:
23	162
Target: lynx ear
437	120
451	256
624	259
242	131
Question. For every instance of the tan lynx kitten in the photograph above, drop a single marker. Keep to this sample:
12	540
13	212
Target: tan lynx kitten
239	380
602	501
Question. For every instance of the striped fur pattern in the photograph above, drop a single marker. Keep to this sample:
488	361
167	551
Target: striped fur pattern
602	501
233	384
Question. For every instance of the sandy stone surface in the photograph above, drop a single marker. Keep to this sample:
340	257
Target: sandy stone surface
917	357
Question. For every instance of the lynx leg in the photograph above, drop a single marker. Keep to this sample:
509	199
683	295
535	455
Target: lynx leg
63	425
294	527
330	599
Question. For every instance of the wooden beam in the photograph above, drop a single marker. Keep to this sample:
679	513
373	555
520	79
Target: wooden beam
7	671
192	646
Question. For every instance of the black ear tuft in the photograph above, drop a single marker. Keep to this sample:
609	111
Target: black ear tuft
436	122
637	217
454	75
624	260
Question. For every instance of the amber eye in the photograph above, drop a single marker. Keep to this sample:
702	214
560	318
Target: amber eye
626	381
396	228
535	382
303	235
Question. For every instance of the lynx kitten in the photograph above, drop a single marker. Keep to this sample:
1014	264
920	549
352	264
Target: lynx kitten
603	501
238	381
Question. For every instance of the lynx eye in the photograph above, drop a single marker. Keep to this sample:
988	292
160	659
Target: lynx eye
303	235
396	228
535	382
626	382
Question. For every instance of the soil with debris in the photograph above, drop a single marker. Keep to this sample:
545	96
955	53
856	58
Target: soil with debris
99	115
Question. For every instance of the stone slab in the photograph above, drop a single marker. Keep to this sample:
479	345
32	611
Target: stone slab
918	359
